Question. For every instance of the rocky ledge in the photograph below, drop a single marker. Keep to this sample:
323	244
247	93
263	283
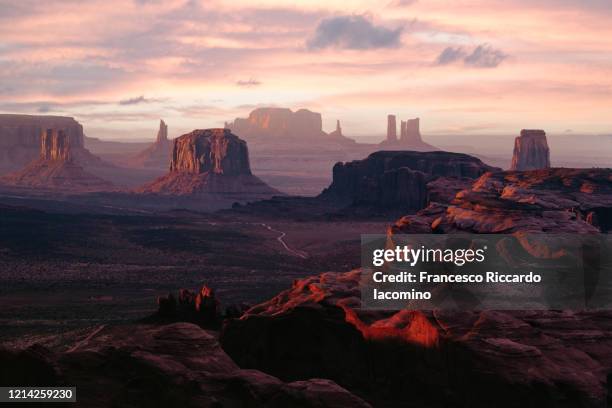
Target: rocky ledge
176	365
434	359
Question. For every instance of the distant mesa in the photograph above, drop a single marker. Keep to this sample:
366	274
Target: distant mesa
56	168
531	151
158	154
410	136
210	161
281	124
20	141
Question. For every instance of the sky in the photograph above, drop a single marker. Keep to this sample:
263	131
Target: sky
477	67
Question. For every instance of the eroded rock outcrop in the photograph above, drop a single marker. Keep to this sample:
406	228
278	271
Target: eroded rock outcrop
530	151
20	137
56	168
549	200
210	161
398	358
176	365
397	179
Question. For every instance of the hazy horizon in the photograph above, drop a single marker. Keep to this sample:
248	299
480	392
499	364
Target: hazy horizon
198	64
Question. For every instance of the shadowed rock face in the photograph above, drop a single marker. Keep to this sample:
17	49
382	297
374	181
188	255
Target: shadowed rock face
398	179
177	365
435	359
531	151
158	154
391	128
216	151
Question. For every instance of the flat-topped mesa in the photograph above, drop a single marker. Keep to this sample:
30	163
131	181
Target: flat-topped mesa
391	128
531	151
215	151
279	123
162	134
55	145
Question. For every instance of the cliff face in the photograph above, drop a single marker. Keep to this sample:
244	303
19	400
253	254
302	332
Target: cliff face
211	161
398	179
55	145
20	137
216	151
531	151
56	168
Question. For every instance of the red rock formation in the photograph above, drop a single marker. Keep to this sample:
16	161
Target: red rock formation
210	161
475	359
559	200
56	168
20	137
398	179
531	151
175	365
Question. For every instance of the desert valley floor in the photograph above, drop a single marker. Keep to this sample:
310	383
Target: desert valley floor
65	271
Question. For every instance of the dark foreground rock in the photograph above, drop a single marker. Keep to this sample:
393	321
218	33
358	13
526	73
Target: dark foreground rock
398	179
177	365
434	359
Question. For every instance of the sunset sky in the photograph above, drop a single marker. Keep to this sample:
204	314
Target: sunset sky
463	66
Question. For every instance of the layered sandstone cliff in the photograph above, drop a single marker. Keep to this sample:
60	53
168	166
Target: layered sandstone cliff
531	151
210	161
56	168
399	179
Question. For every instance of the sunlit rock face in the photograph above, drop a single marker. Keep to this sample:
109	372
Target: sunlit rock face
547	200
20	137
216	151
279	123
210	161
55	145
531	151
398	179
447	358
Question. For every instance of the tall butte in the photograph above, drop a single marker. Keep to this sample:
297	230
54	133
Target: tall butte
56	168
210	161
157	154
531	151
